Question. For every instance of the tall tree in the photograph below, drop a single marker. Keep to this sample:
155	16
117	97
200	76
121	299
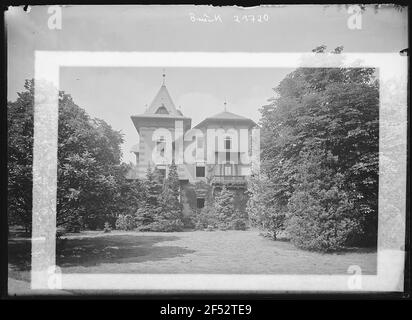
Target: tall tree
170	197
262	210
20	157
88	163
224	207
336	111
151	206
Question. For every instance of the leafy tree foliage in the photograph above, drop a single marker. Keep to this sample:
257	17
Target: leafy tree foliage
333	112
321	214
219	212
224	207
125	222
262	210
89	171
207	217
20	157
89	175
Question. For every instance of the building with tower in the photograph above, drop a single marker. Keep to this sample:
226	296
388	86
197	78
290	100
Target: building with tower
223	149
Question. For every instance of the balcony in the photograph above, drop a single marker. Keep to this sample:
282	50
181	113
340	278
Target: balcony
236	180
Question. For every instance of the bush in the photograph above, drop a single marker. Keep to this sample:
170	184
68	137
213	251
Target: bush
224	207
207	217
189	222
314	226
238	224
125	222
263	208
107	227
219	213
321	215
74	227
163	226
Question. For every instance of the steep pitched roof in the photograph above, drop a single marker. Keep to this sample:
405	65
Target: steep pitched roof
162	99
161	112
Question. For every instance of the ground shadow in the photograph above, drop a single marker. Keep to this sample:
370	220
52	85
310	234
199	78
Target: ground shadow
93	251
19	254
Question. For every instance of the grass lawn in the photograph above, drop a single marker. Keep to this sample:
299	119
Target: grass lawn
241	252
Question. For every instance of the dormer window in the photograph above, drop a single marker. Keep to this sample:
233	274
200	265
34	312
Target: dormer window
162	110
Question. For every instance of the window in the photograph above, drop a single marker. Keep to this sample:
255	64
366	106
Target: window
162	110
228	170
228	142
200	172
200	202
160	140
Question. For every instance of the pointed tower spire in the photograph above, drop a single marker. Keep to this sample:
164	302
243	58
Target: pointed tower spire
164	77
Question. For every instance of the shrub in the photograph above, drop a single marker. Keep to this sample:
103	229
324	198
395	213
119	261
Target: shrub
263	207
107	227
160	209
73	227
238	224
210	228
313	226
321	215
224	207
189	222
163	226
203	221
125	222
219	213
206	217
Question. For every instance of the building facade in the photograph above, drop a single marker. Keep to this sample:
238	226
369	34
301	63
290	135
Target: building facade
221	150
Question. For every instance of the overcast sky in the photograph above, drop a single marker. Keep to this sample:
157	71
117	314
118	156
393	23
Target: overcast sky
114	94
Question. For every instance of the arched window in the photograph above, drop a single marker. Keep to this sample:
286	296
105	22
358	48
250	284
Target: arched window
160	143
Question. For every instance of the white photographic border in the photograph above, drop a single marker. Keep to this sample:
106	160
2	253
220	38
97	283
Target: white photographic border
392	69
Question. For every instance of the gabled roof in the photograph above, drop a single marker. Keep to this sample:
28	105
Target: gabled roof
163	99
226	117
161	112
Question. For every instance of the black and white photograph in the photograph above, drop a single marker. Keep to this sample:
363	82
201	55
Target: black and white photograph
160	149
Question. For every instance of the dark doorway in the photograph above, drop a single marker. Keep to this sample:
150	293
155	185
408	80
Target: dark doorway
200	203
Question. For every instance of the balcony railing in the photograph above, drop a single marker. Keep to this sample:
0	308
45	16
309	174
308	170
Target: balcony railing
228	179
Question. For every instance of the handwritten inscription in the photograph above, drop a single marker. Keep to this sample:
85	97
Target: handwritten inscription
205	18
252	18
213	18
